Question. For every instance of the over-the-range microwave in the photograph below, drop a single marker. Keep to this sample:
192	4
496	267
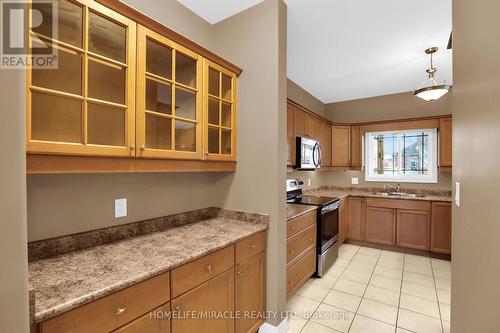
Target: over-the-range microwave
308	154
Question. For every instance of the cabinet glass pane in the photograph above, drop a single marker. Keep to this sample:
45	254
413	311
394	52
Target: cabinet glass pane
226	115
69	22
185	70
226	87
56	119
213	111
107	38
158	97
213	140
213	82
185	136
158	59
106	82
66	77
158	132
226	142
106	125
185	104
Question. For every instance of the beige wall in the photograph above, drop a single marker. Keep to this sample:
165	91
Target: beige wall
13	251
297	94
395	106
259	181
475	291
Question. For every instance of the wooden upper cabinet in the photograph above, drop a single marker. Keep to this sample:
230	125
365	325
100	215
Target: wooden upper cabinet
220	87
310	126
87	105
290	135
299	120
169	99
445	142
441	227
356	148
323	133
341	146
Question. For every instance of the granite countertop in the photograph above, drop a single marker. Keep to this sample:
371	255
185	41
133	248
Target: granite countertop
69	280
296	210
331	191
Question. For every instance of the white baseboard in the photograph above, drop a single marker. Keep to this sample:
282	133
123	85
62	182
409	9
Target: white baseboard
281	328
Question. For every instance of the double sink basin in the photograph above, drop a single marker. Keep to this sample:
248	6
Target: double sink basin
399	195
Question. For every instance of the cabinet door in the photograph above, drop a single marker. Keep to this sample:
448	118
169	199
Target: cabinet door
299	121
156	321
441	227
250	293
323	132
445	142
341	146
356	148
220	88
216	295
86	106
290	135
355	218
343	220
413	229
169	100
380	225
310	127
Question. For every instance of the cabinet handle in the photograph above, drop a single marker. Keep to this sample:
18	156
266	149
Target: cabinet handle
292	228
253	247
238	273
290	282
290	251
310	239
177	308
132	147
119	311
143	147
209	268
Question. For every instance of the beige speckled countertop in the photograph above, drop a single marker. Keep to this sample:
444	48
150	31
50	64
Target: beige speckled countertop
296	210
66	281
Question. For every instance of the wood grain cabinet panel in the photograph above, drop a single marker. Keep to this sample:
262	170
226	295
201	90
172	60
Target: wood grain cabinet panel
355	207
156	321
356	148
250	293
310	126
441	227
250	246
445	142
343	220
413	229
323	133
216	295
380	225
341	146
300	243
300	223
290	136
300	272
299	121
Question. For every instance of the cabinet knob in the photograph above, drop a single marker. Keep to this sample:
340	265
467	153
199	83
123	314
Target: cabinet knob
177	308
290	283
132	147
143	147
290	251
119	311
238	273
310	239
253	247
209	268
292	228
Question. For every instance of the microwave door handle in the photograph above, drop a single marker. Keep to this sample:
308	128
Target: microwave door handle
320	154
314	154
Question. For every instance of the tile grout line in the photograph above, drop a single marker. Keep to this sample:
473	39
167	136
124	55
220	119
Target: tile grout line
437	297
400	291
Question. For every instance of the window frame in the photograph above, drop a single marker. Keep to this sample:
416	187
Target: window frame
432	177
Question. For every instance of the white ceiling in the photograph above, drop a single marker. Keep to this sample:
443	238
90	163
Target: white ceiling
214	11
341	50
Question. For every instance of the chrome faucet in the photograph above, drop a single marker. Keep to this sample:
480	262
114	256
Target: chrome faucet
396	189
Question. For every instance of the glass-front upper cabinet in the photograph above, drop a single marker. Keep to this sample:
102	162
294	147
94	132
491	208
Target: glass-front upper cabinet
219	112
169	99
86	105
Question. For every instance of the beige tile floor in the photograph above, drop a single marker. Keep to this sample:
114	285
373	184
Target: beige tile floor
374	291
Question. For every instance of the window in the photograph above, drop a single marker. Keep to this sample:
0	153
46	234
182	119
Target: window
402	156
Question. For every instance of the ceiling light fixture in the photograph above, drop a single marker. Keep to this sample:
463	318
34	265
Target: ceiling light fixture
430	90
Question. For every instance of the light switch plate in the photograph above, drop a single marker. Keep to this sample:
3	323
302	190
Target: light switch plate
309	182
354	180
120	208
457	194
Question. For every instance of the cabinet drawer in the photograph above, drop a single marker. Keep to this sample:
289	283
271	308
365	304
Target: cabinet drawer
399	204
200	270
113	311
300	223
156	322
299	244
250	246
300	272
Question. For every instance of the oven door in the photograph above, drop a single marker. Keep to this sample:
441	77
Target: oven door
328	226
308	153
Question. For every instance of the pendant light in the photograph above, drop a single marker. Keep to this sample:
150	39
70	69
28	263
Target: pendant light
431	90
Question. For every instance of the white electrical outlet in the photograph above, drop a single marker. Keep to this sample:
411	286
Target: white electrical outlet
354	180
309	182
120	208
457	194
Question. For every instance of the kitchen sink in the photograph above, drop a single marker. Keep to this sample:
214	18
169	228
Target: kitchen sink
400	194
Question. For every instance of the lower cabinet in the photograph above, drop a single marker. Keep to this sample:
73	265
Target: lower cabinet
216	295
250	293
380	225
157	321
441	227
355	218
343	220
300	272
414	229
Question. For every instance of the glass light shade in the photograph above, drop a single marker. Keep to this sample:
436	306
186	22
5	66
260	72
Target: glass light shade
432	93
